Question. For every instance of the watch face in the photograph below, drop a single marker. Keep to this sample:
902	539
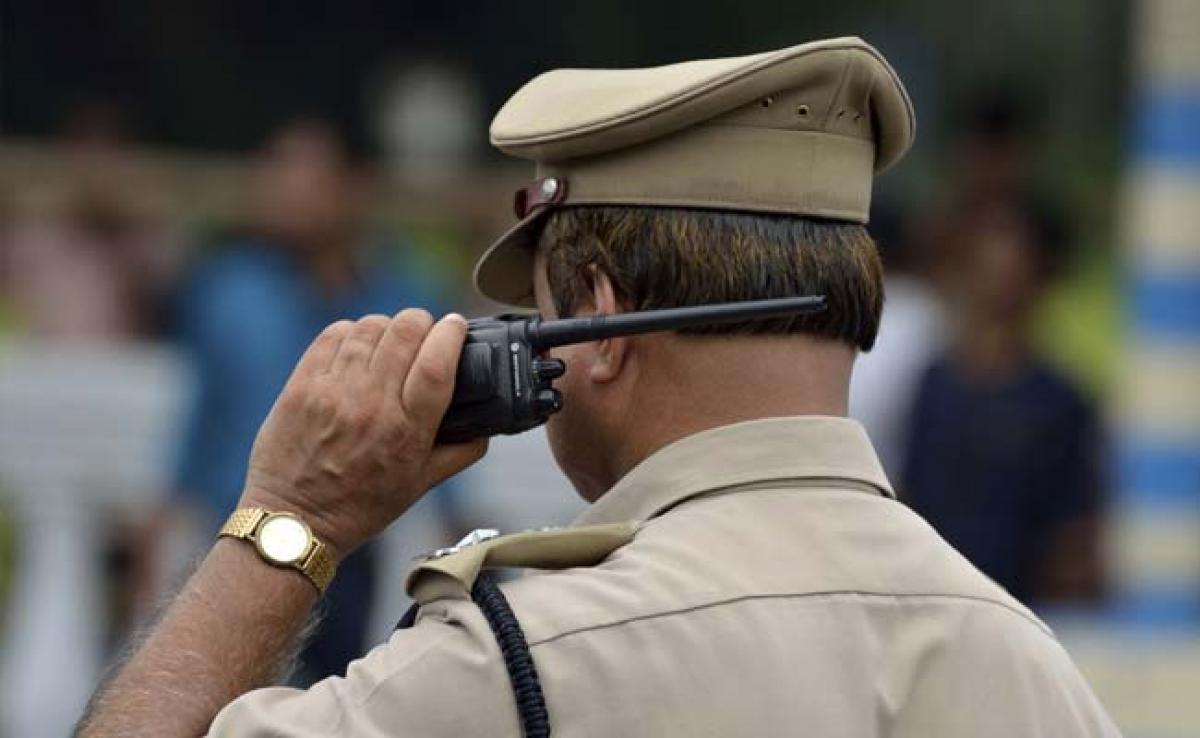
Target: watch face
283	538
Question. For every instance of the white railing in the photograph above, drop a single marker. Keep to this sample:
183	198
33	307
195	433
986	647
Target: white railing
84	431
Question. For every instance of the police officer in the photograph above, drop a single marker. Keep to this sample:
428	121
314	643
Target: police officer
744	567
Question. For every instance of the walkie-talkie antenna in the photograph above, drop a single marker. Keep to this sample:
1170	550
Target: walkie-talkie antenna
544	334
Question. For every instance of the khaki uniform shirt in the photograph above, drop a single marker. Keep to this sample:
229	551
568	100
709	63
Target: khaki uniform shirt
774	587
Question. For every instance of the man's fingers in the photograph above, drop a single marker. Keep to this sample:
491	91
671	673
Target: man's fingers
399	345
359	344
319	355
430	381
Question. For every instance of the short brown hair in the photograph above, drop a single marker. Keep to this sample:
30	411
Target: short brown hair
673	257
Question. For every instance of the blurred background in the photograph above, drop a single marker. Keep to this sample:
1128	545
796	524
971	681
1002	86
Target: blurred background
189	191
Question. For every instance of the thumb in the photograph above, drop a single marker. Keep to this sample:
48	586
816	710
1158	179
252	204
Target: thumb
447	460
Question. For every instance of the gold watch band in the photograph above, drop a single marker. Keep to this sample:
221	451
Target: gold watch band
317	564
319	567
242	523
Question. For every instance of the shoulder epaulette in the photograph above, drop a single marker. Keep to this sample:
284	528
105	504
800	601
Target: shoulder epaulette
451	572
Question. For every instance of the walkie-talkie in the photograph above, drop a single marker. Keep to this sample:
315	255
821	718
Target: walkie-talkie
503	382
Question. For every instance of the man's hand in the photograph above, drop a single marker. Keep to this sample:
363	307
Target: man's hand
348	445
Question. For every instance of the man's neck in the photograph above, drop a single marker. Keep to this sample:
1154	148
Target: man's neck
703	383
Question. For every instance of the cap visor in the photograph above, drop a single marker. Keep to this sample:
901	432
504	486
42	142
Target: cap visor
505	271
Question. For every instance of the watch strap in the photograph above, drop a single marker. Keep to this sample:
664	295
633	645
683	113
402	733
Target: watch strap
242	523
319	567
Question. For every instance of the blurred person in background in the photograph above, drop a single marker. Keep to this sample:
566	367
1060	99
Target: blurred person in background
991	163
911	335
253	305
1004	457
80	259
85	262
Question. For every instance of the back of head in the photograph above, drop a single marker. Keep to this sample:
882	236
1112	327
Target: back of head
673	257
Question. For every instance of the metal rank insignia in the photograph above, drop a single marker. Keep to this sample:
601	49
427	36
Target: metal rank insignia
474	538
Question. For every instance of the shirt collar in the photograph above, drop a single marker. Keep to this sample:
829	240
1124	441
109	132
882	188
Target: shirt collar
809	447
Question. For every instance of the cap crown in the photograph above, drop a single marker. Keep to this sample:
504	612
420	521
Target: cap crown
842	86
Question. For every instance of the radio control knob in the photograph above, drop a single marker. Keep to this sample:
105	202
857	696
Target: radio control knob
548	369
547	401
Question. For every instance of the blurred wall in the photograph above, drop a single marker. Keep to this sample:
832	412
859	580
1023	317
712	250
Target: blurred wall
1158	541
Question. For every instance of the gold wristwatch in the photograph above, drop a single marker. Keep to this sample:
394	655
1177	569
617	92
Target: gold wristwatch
283	540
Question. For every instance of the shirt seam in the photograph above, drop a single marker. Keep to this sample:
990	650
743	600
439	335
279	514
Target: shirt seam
857	462
430	646
774	484
782	476
798	595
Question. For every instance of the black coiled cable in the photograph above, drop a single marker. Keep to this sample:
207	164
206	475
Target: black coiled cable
531	703
518	661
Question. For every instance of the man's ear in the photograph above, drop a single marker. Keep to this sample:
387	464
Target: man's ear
611	352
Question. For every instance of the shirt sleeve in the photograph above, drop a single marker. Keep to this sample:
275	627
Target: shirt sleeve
444	676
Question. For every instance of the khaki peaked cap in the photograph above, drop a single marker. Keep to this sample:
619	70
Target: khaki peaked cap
799	131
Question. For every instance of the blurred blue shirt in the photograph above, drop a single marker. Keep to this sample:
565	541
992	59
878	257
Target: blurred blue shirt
999	469
246	316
